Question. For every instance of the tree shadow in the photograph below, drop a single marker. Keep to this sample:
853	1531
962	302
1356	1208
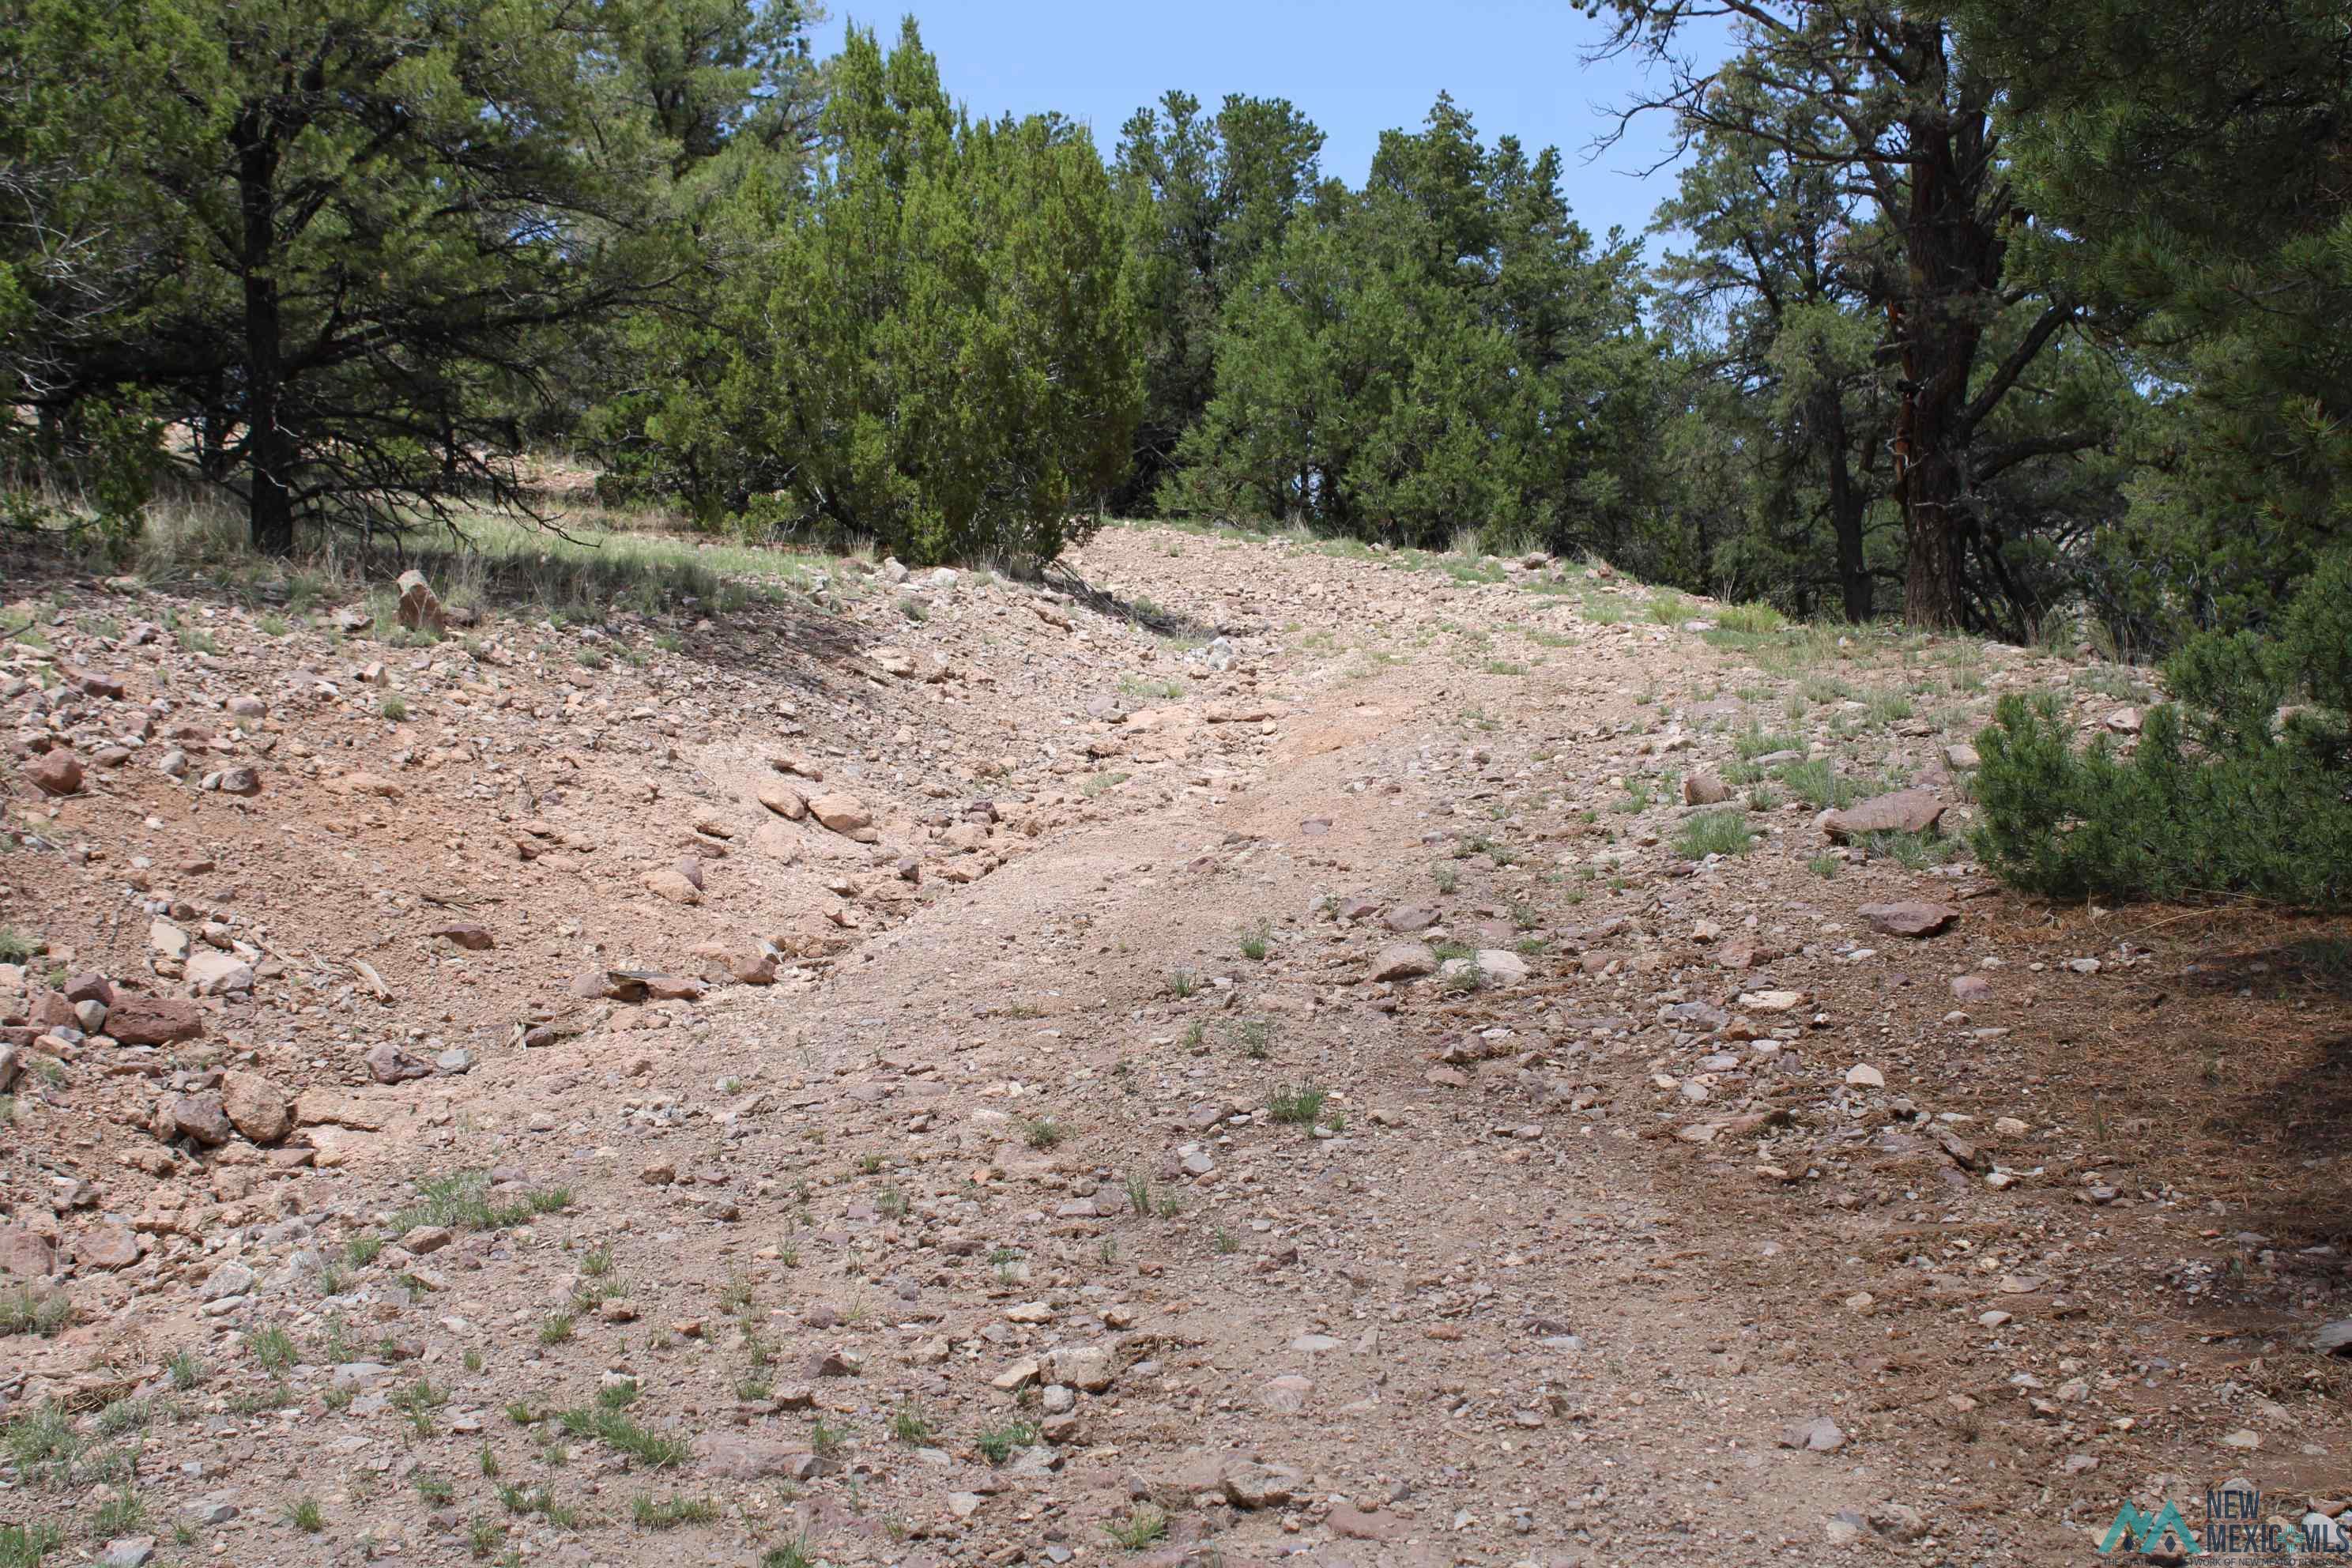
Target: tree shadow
1156	618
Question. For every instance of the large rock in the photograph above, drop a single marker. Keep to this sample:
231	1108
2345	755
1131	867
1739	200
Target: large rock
1504	968
840	812
673	884
256	1107
387	1063
1403	960
25	1254
201	1118
107	1246
783	799
154	1020
212	972
57	772
420	608
1911	917
1704	789
1904	811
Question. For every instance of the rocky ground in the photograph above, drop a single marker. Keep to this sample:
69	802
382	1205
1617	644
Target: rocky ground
1246	1051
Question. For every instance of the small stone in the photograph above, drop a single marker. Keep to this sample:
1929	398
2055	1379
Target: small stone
1903	811
56	772
472	938
128	1552
1403	960
668	882
1818	1436
1862	1075
1704	789
1912	917
841	813
783	799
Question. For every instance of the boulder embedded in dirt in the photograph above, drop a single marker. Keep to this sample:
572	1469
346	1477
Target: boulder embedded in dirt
154	1020
256	1107
56	772
1910	917
1904	811
420	608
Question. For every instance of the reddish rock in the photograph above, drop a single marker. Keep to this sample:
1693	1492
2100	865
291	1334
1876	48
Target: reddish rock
93	683
420	608
256	1107
56	772
472	938
840	812
1403	960
201	1118
26	1255
107	1246
669	883
1911	917
783	799
154	1020
1905	810
90	986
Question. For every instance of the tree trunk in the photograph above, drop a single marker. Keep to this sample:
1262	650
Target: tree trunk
270	450
1847	503
1932	595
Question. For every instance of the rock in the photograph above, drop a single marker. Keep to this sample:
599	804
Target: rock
128	1552
1898	1522
1253	1486
91	682
1771	1001
256	1107
1911	917
1351	1523
895	661
200	1118
783	799
25	1254
11	1064
212	972
1862	1075
669	882
1961	757
1818	1436
1904	811
2125	722
387	1063
426	1239
1286	1394
1403	960
1410	918
56	772
238	782
749	1458
841	813
1704	789
1087	1367
226	1279
472	938
107	1246
167	941
1971	988
420	608
2334	1339
90	986
1502	968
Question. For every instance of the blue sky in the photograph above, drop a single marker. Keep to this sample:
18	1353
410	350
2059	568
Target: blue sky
1355	67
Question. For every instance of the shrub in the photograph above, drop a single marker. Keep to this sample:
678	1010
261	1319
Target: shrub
2231	790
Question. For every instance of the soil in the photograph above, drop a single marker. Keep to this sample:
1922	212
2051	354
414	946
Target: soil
1041	1171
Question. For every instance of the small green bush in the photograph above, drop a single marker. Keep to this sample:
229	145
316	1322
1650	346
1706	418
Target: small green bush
2243	784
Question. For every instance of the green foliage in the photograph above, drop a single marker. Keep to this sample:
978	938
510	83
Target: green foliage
1445	346
933	345
2221	795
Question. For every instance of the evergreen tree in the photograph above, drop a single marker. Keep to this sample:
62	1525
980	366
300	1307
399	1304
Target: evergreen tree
351	219
1876	93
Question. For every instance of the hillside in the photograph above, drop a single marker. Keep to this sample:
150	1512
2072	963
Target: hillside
1244	1049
